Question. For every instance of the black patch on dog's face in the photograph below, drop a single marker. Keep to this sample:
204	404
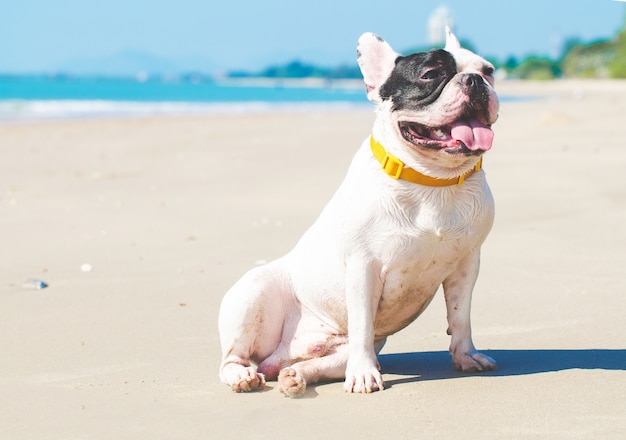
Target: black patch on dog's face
417	80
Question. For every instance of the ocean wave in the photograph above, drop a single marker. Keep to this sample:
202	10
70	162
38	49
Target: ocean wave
25	110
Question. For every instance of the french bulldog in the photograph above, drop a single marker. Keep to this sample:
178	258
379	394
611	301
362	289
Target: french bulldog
410	215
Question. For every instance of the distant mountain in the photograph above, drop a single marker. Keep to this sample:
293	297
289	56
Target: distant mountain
134	62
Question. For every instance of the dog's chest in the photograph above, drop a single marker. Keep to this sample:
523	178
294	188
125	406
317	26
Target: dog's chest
423	250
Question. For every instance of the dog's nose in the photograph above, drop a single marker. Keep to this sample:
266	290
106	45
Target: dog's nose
472	80
473	85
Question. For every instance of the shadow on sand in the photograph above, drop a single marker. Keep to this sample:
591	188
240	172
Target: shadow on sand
436	365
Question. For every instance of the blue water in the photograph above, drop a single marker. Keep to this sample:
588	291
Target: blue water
23	97
163	90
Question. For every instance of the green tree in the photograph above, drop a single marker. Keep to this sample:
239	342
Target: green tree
537	69
294	69
589	61
617	67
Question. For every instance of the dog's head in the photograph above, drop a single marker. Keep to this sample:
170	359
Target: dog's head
441	104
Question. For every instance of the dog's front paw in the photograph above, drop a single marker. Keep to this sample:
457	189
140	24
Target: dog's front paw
291	383
474	361
242	379
366	380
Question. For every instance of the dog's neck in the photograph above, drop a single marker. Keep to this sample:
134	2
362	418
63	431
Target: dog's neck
396	169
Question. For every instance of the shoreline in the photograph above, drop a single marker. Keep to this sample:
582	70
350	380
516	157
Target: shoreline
16	111
26	110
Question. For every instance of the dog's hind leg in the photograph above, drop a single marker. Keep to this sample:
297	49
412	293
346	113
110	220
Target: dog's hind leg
250	323
292	380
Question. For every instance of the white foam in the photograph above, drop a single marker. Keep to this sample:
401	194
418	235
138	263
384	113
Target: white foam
24	110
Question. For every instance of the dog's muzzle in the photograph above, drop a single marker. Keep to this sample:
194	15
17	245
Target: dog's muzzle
465	136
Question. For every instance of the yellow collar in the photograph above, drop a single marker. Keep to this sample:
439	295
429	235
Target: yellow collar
395	168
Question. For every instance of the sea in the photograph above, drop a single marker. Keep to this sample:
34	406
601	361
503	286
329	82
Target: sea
42	97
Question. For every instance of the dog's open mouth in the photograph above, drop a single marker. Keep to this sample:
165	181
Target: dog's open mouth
467	136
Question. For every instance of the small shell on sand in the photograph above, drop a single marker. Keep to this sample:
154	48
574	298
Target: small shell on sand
34	284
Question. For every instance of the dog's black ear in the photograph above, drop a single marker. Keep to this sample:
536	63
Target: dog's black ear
376	59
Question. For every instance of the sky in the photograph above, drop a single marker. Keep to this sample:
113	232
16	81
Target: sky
44	36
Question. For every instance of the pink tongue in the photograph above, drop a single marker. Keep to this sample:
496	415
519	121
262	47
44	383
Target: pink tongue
473	134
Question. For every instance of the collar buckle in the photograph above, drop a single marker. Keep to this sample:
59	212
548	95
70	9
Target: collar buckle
392	165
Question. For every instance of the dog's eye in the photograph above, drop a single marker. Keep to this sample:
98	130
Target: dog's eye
488	71
431	74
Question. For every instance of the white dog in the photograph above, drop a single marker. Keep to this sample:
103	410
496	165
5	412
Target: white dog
411	215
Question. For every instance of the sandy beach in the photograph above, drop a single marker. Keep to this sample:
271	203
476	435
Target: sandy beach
139	226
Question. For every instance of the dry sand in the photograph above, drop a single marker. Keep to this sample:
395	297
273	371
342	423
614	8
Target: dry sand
169	212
